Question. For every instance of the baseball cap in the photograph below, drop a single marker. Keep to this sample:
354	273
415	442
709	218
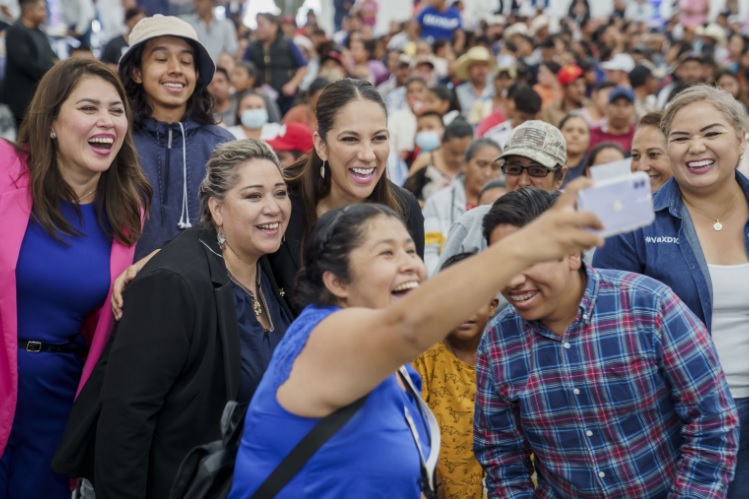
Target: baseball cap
157	26
619	92
332	55
691	56
292	137
538	141
620	62
569	73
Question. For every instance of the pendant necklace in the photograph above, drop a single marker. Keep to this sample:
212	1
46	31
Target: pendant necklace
256	307
86	195
717	226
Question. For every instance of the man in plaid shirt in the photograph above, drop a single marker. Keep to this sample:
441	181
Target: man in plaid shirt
605	376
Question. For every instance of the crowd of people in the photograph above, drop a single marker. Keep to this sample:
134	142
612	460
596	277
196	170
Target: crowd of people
303	221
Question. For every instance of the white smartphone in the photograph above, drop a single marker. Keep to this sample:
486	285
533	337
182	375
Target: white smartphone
623	204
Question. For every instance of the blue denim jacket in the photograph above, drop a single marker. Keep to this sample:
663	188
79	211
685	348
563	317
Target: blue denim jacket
668	250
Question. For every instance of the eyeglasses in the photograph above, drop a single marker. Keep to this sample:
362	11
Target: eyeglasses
536	171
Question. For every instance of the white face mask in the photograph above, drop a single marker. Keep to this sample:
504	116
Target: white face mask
254	118
428	140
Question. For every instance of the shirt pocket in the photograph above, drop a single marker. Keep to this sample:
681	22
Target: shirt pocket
629	386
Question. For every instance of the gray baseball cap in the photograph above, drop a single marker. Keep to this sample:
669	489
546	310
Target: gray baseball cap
539	141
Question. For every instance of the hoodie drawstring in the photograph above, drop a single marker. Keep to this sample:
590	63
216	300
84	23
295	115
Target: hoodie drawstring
184	219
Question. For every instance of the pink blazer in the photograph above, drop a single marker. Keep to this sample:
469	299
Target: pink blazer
15	211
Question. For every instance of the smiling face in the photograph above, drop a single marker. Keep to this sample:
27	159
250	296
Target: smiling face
90	128
356	149
168	76
255	211
515	182
649	155
704	147
383	267
548	292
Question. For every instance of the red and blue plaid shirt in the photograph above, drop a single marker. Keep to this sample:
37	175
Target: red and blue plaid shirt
630	403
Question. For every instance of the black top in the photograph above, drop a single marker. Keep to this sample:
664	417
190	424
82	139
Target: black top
174	363
113	50
287	261
28	57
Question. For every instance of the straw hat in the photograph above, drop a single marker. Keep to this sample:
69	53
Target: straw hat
474	55
713	31
157	26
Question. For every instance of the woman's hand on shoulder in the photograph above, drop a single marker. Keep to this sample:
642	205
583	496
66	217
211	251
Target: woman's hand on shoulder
118	289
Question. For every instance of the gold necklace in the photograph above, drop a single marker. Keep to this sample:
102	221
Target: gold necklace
256	306
717	226
86	195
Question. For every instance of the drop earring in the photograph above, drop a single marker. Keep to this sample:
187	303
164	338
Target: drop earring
52	135
322	169
221	239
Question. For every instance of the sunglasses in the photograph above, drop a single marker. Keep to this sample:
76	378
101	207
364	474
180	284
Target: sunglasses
536	171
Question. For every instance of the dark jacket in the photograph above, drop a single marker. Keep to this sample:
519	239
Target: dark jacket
28	57
173	364
276	64
165	158
287	261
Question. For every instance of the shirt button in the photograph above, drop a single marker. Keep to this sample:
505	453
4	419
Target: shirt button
576	391
601	474
589	433
567	345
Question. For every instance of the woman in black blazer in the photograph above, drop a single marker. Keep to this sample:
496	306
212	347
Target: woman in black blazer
347	166
199	326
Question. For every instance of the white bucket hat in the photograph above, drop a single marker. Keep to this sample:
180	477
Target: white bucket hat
149	28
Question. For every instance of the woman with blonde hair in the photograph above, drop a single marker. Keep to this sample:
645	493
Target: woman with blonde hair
699	242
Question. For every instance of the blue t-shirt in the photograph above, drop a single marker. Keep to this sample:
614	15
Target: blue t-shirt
373	455
439	25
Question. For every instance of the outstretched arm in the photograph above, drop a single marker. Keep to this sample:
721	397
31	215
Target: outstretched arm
353	350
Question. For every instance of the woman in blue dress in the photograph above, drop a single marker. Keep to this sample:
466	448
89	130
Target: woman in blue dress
71	200
368	313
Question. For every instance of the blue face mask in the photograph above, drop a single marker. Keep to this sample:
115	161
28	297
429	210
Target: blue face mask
254	118
428	141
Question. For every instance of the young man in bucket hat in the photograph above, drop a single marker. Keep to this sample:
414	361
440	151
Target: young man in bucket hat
166	72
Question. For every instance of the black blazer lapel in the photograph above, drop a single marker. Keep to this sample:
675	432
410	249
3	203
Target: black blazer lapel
226	312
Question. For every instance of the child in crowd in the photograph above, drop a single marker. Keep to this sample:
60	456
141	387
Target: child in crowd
448	386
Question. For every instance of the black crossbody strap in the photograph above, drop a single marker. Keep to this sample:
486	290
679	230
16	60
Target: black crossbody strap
305	449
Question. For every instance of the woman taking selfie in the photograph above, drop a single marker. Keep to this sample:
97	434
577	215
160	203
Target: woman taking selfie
368	313
698	244
71	200
346	166
199	326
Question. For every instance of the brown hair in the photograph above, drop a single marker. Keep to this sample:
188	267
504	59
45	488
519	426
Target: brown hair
651	119
122	191
304	175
